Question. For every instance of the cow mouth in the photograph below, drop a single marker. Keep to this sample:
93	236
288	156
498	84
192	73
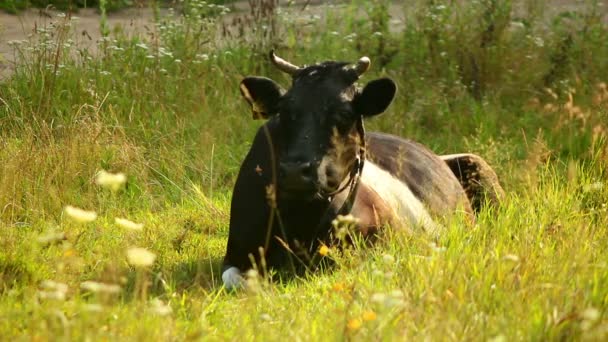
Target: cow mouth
302	194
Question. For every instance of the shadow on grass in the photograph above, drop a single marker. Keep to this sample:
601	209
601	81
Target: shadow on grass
202	274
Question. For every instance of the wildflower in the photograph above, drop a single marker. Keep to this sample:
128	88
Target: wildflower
354	324
97	287
388	259
324	250
51	237
92	308
109	180
591	314
80	215
160	308
344	220
140	257
511	257
142	46
597	186
436	248
369	315
395	299
53	290
338	287
253	281
128	224
378	298
498	338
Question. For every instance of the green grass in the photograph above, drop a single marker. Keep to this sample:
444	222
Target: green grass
167	112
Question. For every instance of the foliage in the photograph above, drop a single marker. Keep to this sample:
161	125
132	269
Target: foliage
525	89
14	6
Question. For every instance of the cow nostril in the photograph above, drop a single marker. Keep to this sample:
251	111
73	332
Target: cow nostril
307	170
282	170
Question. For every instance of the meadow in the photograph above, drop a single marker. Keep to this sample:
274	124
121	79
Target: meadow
522	83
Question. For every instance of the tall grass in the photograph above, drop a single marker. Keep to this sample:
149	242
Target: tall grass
513	81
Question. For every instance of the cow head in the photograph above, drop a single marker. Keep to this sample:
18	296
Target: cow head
319	120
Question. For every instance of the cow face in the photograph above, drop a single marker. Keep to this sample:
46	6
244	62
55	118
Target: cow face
318	118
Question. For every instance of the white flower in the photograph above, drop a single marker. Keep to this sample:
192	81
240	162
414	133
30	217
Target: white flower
160	308
109	180
597	186
51	237
511	257
378	298
388	259
140	257
92	308
53	290
97	287
436	248
128	224
80	215
54	286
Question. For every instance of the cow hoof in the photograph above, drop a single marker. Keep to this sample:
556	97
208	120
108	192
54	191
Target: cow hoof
232	278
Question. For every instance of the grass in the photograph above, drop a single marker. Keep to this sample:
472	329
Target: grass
528	95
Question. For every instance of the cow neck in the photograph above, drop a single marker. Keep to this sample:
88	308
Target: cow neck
352	185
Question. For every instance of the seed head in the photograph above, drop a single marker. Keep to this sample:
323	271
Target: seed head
80	215
140	257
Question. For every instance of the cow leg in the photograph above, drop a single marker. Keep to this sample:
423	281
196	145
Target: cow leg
477	178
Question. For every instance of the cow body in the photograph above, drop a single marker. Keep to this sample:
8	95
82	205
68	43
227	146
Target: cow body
403	184
312	161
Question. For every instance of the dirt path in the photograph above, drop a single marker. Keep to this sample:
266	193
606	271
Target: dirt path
86	28
86	31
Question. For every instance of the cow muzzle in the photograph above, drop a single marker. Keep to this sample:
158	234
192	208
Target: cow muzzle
297	180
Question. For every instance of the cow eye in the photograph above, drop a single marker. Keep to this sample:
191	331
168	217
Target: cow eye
344	120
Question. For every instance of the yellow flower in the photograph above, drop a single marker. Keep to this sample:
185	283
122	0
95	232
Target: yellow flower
140	257
112	181
324	250
338	287
79	215
354	324
128	224
369	315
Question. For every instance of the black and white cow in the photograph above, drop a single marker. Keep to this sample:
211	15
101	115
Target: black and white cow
312	161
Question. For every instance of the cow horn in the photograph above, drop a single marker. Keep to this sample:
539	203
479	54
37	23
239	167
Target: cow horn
363	65
282	64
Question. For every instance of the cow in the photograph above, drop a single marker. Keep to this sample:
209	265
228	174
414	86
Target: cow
312	162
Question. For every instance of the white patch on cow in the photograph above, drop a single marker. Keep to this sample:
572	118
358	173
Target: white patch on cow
406	206
232	278
322	170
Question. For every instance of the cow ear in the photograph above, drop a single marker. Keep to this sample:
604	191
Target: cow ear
375	97
263	95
